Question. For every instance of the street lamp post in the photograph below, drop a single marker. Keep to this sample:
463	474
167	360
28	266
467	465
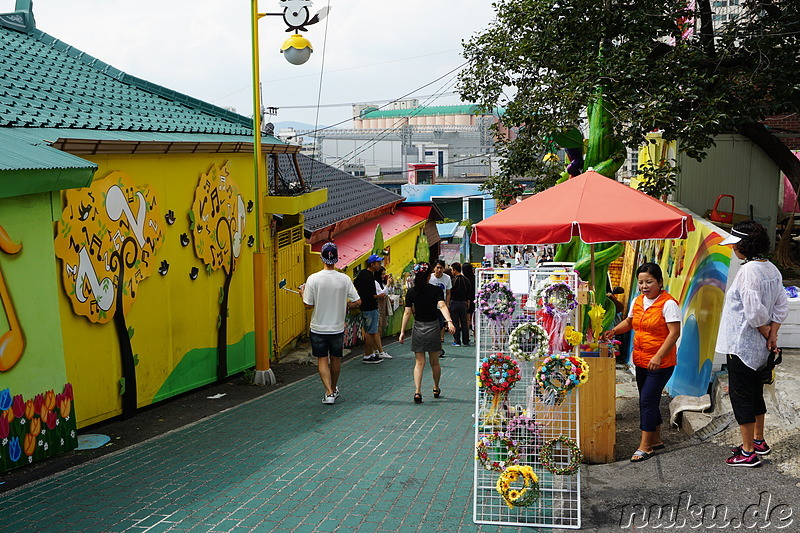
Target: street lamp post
296	49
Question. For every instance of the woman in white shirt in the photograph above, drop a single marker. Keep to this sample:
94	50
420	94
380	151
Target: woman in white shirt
755	306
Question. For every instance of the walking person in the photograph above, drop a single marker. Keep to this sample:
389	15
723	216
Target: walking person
365	285
656	320
330	294
443	281
754	309
383	310
469	273
459	296
422	301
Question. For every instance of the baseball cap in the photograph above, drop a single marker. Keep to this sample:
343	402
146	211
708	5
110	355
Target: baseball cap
373	258
734	237
329	253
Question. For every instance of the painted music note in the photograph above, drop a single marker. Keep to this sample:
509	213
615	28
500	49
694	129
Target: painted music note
103	290
117	204
241	216
12	342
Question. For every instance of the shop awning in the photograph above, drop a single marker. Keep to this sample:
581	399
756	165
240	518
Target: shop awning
356	242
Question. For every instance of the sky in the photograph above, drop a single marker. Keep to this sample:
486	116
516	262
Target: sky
366	50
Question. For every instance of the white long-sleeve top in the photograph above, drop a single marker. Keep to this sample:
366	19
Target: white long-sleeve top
755	298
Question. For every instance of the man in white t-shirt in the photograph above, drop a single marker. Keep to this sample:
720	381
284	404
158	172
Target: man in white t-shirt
330	293
442	280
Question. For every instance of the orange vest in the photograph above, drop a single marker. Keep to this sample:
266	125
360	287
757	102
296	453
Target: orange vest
651	331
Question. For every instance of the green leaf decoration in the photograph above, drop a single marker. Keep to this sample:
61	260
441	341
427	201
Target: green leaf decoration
121	386
208	269
130	332
219	321
190	214
221	295
136	359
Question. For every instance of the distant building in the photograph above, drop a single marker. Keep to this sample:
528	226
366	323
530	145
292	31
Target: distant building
457	138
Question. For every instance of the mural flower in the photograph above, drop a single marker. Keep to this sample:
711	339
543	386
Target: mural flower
50	400
5	429
51	419
64	406
30	409
8	414
14	451
18	407
36	427
68	391
30	444
5	399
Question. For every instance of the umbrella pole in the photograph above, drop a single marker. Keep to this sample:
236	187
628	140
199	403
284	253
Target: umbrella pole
591	252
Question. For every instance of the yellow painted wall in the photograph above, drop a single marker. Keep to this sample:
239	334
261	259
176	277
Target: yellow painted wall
172	315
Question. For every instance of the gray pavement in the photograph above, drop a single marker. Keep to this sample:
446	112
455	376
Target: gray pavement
375	461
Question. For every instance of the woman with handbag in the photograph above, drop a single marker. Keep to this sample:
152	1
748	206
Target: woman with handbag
755	306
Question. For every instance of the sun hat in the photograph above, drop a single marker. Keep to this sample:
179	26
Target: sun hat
734	237
373	258
329	253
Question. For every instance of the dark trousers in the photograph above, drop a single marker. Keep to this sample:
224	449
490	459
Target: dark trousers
651	384
746	391
458	312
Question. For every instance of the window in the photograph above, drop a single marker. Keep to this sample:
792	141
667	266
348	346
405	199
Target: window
428	152
719	3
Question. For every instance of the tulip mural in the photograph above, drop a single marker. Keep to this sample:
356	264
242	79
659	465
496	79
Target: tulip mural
35	429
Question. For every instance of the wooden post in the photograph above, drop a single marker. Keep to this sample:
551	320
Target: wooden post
598	411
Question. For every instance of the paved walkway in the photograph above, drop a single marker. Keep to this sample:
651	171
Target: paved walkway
374	461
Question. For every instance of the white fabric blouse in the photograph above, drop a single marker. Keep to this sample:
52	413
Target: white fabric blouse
755	298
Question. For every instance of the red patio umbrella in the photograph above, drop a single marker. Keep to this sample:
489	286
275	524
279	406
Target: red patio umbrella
590	206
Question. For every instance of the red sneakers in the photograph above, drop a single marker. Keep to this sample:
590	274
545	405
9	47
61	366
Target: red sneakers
740	459
760	448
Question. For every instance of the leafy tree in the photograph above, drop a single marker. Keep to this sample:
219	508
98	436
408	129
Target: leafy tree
502	188
112	231
656	65
217	222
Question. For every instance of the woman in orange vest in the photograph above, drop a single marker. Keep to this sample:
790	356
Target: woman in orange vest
656	320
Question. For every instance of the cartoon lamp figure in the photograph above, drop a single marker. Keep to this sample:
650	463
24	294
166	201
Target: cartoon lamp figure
297	15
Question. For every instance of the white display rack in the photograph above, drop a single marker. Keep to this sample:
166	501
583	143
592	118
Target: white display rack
558	505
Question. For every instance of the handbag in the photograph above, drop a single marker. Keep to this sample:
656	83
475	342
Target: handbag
767	374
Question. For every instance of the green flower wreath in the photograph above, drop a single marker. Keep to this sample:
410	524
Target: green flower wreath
575	456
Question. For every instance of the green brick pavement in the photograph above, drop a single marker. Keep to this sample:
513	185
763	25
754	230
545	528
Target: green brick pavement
374	461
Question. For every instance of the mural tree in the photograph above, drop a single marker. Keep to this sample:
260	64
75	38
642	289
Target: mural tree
109	230
218	217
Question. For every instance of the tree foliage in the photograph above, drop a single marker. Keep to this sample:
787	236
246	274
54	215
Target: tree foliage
659	65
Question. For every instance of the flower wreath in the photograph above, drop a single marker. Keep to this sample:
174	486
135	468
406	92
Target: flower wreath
528	341
496	301
523	497
558	298
498	373
575	456
492	439
562	373
522	422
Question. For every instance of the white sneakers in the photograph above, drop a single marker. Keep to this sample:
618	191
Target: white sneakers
383	355
330	399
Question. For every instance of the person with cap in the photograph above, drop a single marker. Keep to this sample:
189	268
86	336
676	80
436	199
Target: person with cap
330	294
365	285
755	306
444	282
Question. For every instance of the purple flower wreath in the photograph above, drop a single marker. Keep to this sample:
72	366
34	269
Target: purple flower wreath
496	301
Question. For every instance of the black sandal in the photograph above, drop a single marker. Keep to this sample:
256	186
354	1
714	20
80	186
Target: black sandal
417	397
436	392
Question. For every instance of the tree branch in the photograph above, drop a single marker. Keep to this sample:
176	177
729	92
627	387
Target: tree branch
774	148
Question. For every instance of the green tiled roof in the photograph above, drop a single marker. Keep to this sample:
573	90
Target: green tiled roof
45	83
425	111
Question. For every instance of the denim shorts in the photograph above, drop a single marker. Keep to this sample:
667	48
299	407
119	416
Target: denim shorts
371	319
323	345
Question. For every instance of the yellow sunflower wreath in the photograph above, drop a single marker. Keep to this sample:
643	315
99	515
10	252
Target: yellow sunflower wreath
524	496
